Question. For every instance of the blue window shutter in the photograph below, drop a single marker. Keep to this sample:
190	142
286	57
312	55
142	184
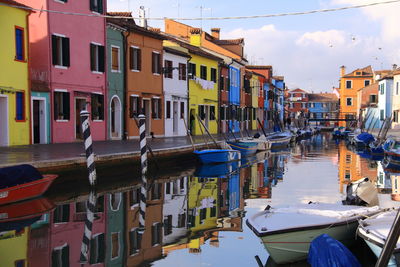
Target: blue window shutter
19	44
19	106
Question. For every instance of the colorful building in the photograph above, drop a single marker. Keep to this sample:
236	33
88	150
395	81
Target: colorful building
15	108
298	101
115	81
69	60
115	238
385	97
348	87
323	105
396	99
175	88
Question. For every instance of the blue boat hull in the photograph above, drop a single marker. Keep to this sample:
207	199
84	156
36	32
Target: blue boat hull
220	170
245	148
210	156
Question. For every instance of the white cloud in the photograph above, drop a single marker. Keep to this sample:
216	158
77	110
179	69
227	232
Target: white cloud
325	38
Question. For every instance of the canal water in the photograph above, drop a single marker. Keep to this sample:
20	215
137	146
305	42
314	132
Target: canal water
194	216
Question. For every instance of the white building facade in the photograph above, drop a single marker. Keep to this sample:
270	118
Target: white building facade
175	90
385	97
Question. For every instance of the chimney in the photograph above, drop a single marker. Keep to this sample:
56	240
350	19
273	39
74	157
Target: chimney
342	71
195	36
215	32
394	66
142	17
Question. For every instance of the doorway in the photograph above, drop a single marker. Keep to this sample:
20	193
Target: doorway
206	115
80	104
3	120
115	118
39	120
175	117
147	114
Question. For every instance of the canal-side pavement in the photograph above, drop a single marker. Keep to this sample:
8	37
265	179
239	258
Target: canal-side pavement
67	154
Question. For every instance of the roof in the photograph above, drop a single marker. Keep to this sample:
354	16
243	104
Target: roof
279	78
175	51
366	71
259	67
130	25
373	86
322	97
16	4
297	90
238	41
120	14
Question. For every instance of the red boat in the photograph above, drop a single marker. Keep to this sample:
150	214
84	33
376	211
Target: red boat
25	210
22	182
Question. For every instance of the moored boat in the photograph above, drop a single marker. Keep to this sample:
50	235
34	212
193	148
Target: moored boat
210	156
279	140
392	149
288	231
22	182
363	139
246	147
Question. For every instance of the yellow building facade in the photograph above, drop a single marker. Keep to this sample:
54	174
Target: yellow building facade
14	78
255	90
14	248
349	85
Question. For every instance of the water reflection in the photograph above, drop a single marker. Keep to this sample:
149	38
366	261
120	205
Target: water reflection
199	214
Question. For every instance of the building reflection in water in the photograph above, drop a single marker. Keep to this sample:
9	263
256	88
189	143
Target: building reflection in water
182	213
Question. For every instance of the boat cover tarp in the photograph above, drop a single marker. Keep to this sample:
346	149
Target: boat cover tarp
20	174
366	138
326	251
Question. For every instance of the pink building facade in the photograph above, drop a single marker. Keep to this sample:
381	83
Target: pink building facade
68	61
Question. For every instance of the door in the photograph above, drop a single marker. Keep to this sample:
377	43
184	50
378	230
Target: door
39	121
3	121
207	115
80	104
115	118
175	117
147	114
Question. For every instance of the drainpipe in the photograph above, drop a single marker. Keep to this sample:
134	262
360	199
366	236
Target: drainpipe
187	99
125	106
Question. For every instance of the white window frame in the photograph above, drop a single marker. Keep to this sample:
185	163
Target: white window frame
60	52
119	245
97	58
351	84
157	52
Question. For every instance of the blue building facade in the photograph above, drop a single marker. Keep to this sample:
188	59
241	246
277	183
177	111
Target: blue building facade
234	96
279	88
323	105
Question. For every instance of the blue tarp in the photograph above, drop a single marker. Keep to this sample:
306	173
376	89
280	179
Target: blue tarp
366	138
326	251
20	174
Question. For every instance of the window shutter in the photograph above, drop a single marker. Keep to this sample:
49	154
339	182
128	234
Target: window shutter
91	5
100	6
55	106
101	58
159	111
66	110
65	256
139	59
160	64
153	65
92	57
65	52
184	71
153	109
166	68
131	58
139	105
54	49
131	99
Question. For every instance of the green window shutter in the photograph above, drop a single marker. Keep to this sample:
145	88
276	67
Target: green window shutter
54	49
101	58
65	52
92	57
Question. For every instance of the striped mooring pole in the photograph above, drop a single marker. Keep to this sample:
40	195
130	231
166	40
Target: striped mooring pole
143	161
88	147
91	203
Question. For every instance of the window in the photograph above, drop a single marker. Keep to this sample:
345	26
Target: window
222	113
203	214
213	211
349	101
96	58
97	249
115	58
61	106
167	225
234	78
135	58
115	201
96	6
358	73
167	188
202	113
156	191
347	175
19	263
382	115
182	71
60	256
135	241
221	83
396	116
61	214
156	108
168	69
156	63
20	106
182	110
192	70
203	72
97	107
382	87
373	99
115	245
60	50
134	197
134	106
367	82
348	158
168	107
213	75
212	113
156	234
19	44
349	84
397	88
181	220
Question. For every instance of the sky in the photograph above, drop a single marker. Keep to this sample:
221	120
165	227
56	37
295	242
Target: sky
307	50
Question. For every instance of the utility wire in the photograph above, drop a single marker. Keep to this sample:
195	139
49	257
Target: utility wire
210	18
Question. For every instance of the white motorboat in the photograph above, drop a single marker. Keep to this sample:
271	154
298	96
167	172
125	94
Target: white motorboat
361	193
375	230
287	232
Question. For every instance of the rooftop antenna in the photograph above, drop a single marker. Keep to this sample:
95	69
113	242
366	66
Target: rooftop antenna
178	7
142	17
201	14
